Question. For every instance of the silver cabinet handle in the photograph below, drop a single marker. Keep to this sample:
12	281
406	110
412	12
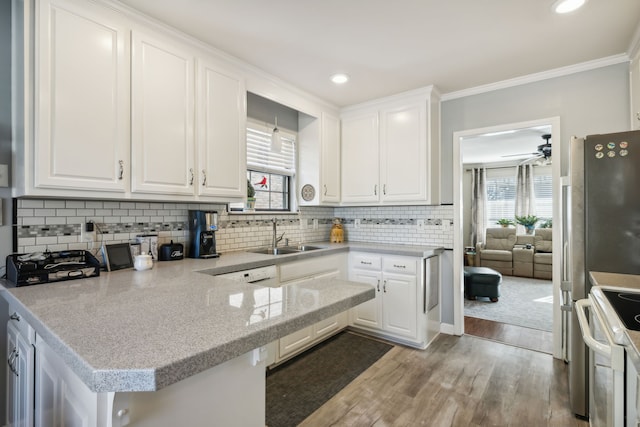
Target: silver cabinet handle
12	359
384	189
15	316
375	190
191	176
384	286
365	263
121	169
204	177
325	189
399	266
378	285
638	115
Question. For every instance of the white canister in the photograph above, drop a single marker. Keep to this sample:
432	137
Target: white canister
143	262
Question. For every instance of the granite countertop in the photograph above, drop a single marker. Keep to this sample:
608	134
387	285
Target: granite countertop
630	282
144	330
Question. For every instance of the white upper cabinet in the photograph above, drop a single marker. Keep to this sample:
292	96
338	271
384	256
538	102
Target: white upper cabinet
360	158
162	119
81	132
390	150
330	162
221	132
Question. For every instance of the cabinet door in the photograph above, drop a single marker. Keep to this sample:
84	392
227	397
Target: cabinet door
162	116
19	378
222	114
403	153
291	343
360	158
330	163
368	313
82	109
399	294
61	398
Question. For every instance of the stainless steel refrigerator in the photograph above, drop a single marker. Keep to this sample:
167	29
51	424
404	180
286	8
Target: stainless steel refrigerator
604	231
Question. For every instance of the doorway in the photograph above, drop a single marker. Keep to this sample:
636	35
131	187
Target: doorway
504	147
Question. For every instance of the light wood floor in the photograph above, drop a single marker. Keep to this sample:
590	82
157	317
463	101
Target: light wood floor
457	381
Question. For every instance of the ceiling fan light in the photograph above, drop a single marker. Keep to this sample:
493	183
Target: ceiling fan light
566	6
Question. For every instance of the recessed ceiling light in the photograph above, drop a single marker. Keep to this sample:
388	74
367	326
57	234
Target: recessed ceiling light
339	78
566	6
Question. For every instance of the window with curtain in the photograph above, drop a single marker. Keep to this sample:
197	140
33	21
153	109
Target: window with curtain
501	193
271	167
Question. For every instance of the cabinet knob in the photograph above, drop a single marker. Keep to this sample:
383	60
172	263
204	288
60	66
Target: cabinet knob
15	316
122	412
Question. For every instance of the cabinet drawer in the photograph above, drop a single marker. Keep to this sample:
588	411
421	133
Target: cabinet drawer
20	323
399	265
365	262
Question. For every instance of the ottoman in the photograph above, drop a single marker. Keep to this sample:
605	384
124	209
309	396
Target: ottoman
482	282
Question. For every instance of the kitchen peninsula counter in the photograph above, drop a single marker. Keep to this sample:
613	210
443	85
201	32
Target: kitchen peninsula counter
144	330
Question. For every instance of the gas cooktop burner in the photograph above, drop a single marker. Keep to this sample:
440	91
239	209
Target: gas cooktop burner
627	306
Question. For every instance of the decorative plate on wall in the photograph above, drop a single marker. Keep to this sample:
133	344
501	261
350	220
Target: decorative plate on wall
308	192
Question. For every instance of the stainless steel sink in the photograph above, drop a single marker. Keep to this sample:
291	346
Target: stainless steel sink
284	250
274	251
304	248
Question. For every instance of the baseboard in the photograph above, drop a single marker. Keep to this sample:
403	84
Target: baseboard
447	328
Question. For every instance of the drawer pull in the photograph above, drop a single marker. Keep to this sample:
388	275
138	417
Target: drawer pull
378	285
399	266
384	286
365	262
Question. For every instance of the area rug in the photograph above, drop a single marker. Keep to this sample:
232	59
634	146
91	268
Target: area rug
300	386
523	302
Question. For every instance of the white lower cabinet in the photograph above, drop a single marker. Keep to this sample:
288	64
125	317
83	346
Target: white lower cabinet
19	372
398	282
61	398
298	272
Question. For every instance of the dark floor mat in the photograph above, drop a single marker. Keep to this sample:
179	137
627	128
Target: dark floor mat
301	385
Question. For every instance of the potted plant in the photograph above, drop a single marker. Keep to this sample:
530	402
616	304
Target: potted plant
547	223
505	222
251	197
528	221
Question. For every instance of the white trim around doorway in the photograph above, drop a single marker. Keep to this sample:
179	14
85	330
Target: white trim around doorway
556	171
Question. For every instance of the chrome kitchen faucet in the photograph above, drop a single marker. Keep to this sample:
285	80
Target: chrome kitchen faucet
274	243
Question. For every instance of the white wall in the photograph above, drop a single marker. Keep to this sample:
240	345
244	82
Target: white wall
595	101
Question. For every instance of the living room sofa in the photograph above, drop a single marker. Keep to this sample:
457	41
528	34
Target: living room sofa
543	255
496	251
514	254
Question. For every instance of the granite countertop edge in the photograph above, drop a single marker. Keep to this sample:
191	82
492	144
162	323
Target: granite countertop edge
155	378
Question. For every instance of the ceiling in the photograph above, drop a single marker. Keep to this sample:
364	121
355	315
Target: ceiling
389	47
512	146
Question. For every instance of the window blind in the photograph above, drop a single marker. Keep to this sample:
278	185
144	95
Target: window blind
261	156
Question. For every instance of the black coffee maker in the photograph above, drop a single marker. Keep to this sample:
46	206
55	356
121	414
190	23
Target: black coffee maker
202	237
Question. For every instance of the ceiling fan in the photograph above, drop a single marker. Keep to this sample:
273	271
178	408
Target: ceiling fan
542	154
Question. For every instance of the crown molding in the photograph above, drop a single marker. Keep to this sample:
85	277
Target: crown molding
536	77
634	46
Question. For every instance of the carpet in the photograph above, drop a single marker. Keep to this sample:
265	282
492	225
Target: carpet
523	302
298	387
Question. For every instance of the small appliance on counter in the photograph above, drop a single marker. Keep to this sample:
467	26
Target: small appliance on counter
202	237
148	244
46	267
171	252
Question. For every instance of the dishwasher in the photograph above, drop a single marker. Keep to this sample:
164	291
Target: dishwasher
265	276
